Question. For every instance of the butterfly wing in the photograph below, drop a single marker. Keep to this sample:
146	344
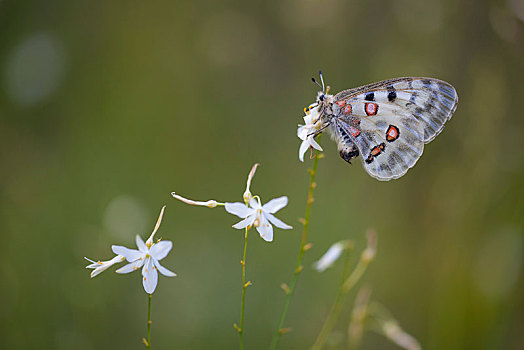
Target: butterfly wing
383	159
390	121
431	101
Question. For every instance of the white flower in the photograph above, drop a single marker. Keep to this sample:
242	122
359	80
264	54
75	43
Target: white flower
258	215
328	259
312	114
100	266
306	132
147	257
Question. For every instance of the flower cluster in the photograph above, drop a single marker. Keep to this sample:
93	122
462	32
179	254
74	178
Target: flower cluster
253	213
307	132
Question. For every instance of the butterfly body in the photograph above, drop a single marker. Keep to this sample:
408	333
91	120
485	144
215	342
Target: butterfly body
387	123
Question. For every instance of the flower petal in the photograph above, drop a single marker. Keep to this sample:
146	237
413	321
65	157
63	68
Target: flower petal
239	209
302	132
130	254
246	222
304	146
275	205
328	259
92	263
277	222
141	245
255	203
308	119
163	270
149	276
315	144
135	265
96	272
101	266
161	249
265	229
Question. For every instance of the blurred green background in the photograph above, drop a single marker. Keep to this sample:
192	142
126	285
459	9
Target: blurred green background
108	106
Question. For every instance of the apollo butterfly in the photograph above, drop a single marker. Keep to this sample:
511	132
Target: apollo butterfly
387	123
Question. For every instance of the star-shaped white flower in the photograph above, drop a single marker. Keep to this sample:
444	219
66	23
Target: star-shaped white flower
147	257
306	132
258	215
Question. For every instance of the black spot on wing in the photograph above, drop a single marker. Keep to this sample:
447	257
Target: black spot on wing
370	96
392	96
392	93
427	83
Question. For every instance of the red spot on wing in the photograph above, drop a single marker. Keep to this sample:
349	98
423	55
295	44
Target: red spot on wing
371	108
354	131
375	151
341	103
347	109
392	133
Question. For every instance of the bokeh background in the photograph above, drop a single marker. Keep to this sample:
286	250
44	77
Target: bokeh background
108	106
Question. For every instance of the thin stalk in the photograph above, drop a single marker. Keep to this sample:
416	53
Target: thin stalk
289	290
148	342
336	308
244	286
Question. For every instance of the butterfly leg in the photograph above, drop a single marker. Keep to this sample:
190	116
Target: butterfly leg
319	131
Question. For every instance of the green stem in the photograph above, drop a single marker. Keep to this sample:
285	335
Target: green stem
244	286
298	269
148	345
336	308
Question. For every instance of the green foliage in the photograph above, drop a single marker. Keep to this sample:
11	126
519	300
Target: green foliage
107	107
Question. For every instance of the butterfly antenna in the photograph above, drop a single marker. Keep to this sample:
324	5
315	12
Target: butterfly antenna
322	80
316	82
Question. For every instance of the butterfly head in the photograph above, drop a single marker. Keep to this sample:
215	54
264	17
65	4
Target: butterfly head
324	98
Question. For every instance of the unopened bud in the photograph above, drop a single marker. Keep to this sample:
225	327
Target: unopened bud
210	203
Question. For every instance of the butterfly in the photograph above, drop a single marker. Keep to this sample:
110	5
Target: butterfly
385	123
